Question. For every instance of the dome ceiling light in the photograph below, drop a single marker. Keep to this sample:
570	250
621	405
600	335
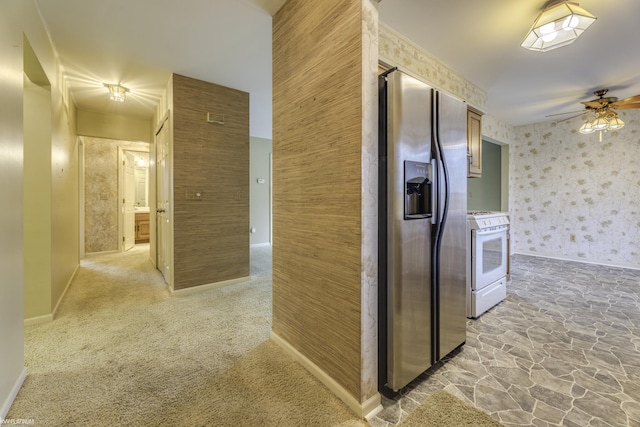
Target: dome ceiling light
559	24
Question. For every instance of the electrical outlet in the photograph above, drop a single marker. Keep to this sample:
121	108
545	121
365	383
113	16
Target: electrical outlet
572	238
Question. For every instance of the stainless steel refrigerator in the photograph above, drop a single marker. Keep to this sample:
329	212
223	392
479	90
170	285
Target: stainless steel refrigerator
422	227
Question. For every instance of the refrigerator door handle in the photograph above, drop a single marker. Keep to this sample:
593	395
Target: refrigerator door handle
441	173
435	207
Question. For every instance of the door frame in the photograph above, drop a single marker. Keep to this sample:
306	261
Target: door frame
121	151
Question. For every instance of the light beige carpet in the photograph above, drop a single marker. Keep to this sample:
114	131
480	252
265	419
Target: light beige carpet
123	351
442	409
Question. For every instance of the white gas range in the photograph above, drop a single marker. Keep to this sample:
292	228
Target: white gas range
487	260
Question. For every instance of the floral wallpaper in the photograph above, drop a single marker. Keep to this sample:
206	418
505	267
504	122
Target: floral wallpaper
574	196
101	191
399	51
497	130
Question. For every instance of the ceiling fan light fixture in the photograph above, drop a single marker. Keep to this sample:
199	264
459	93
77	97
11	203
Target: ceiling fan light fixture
586	128
615	123
559	24
600	123
117	92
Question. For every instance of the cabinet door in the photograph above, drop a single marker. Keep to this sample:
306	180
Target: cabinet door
142	227
474	143
143	230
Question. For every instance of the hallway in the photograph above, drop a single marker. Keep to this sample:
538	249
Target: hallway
124	351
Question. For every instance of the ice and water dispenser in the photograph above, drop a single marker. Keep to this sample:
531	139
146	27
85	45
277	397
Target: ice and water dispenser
417	197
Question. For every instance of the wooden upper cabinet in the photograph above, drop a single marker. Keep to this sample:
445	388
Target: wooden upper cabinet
474	144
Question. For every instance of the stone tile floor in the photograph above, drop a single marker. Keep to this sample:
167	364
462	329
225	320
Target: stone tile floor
562	349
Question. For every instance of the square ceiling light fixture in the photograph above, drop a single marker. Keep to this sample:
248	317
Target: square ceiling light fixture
559	24
116	92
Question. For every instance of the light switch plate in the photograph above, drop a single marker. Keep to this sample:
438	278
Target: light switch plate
194	195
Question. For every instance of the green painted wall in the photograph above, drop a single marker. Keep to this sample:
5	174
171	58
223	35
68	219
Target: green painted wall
485	193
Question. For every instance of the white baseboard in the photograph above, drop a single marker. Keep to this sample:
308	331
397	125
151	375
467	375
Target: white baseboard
260	245
576	259
38	320
4	409
66	288
372	406
367	409
207	287
90	254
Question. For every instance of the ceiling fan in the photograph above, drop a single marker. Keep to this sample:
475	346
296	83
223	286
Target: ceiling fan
611	102
601	114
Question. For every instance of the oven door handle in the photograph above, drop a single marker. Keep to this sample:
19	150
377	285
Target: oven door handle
488	232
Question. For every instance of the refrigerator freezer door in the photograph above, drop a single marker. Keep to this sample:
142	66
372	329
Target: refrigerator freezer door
451	287
408	241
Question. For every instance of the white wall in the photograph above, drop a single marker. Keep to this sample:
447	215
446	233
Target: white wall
18	19
12	369
260	194
113	126
564	183
37	201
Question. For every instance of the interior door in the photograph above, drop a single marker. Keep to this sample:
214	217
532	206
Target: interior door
128	201
163	197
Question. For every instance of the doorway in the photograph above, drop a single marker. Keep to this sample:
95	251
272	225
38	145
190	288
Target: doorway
490	192
101	210
133	178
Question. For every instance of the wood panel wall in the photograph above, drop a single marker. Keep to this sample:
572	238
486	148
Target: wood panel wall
317	138
211	232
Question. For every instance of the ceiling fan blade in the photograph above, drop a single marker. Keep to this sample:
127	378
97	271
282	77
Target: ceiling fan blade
567	112
593	104
569	118
635	98
625	106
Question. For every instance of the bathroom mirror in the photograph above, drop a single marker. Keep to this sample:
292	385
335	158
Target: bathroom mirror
141	176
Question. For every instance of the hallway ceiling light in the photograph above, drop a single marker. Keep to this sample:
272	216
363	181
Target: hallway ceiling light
559	24
116	92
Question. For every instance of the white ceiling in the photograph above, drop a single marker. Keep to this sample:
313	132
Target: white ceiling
481	40
140	43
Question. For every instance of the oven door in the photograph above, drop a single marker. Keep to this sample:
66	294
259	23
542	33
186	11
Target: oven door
488	256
